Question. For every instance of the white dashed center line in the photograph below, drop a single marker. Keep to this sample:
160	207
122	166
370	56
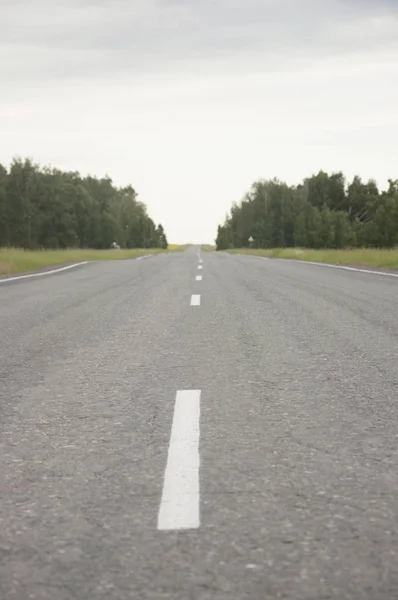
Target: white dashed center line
195	300
180	503
198	277
200	267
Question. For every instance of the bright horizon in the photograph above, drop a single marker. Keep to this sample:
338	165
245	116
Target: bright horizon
192	103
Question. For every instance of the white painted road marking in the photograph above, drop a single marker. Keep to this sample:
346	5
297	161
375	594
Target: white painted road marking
198	277
79	264
200	267
200	261
320	264
195	300
59	270
180	503
309	262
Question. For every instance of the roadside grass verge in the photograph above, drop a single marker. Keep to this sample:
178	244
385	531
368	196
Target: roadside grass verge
357	257
15	260
208	248
177	247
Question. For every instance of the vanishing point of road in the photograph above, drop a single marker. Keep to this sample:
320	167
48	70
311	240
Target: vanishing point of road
199	426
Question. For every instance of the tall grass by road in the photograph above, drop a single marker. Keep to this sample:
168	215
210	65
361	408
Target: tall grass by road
14	260
364	257
177	247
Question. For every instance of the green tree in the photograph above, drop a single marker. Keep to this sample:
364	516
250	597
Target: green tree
362	199
326	228
343	231
4	225
161	236
22	191
327	191
222	240
49	208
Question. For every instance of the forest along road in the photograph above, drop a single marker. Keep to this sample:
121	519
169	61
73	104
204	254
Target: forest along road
176	432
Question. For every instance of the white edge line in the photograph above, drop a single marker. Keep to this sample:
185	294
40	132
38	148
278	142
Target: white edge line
180	503
43	273
320	264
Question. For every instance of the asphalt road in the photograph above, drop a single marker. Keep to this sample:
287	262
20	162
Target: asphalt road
292	376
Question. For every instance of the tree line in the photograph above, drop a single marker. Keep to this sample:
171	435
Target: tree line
322	212
44	207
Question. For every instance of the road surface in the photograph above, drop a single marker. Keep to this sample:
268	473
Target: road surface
176	432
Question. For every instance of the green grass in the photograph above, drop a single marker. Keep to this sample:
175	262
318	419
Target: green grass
208	248
14	260
177	247
365	257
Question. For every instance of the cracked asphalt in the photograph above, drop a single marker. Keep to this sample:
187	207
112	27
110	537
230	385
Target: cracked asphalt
298	372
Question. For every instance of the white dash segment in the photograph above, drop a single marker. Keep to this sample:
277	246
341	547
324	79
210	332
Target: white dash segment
180	502
200	266
200	261
199	277
195	300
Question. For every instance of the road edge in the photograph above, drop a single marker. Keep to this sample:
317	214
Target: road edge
42	273
322	264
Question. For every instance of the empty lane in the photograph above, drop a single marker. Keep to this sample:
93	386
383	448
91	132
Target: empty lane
298	417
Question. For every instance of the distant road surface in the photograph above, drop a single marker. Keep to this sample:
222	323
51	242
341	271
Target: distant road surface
184	433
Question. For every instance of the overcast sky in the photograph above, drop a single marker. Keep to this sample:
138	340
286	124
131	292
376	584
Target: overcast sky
190	101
